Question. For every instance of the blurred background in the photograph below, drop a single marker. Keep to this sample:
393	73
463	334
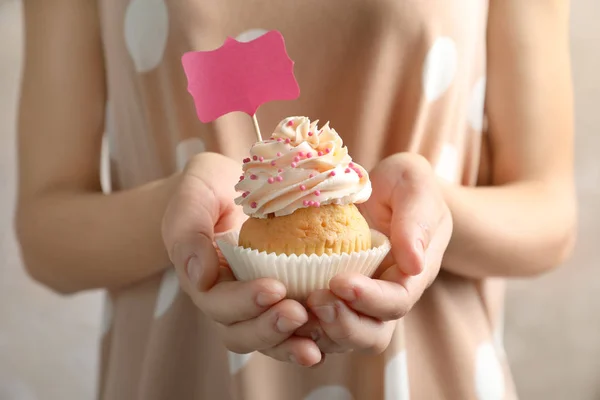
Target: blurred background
48	343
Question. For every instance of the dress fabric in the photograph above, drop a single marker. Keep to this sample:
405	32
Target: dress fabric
391	76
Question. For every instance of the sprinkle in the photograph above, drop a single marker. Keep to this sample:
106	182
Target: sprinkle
310	133
273	163
300	154
244	194
320	153
253	204
279	139
347	170
317	204
317	193
290	123
246	160
287	141
294	165
241	177
254	158
261	159
359	175
279	178
271	180
296	158
351	165
332	173
311	203
278	154
305	203
280	170
327	150
308	155
253	177
302	187
311	176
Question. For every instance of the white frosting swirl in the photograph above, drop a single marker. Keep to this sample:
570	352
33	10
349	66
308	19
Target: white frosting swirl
300	166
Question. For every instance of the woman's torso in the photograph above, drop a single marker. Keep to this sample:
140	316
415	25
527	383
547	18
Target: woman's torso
391	76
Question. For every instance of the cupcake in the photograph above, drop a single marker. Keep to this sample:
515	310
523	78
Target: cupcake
300	189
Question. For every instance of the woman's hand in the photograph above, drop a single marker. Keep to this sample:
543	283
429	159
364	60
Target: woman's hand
360	313
251	316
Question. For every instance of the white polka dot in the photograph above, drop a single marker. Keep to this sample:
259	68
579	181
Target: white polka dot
396	378
107	314
250	35
330	393
237	361
169	287
489	378
186	149
440	68
447	165
146	32
475	113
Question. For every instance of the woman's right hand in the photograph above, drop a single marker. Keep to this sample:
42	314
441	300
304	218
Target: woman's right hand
251	316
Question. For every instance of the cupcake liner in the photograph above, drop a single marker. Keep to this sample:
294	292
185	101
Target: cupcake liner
300	274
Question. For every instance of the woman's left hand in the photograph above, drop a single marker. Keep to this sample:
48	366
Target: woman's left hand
360	313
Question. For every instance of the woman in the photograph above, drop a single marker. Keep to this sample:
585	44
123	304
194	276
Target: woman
403	82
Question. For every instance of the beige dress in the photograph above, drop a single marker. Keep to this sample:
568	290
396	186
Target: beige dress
391	76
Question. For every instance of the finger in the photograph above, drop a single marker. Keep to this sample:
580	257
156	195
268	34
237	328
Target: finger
417	207
231	301
188	226
379	299
312	329
297	350
268	330
347	328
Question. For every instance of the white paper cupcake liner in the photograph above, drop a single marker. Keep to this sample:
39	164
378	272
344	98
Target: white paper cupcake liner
300	274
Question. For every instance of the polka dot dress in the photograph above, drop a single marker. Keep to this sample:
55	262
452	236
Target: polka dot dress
391	76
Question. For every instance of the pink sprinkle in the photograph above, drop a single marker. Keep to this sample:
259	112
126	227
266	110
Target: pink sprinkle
327	150
311	176
360	175
320	153
241	177
287	141
290	123
271	180
246	160
280	170
311	203
278	154
253	177
279	139
305	203
254	158
294	165
245	194
317	204
332	173
347	170
351	165
317	193
302	187
300	154
296	158
310	133
279	178
273	163
308	155
253	204
261	159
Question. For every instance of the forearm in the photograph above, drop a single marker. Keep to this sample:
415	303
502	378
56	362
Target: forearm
513	230
76	241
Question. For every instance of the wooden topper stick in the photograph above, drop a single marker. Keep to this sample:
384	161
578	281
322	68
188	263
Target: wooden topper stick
256	128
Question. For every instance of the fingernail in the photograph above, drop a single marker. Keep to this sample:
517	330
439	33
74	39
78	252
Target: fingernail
315	335
347	293
286	325
326	314
294	360
193	270
265	299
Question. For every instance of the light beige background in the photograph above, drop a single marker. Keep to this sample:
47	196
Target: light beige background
48	343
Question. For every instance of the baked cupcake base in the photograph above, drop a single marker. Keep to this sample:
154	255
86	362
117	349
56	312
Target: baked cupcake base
301	274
